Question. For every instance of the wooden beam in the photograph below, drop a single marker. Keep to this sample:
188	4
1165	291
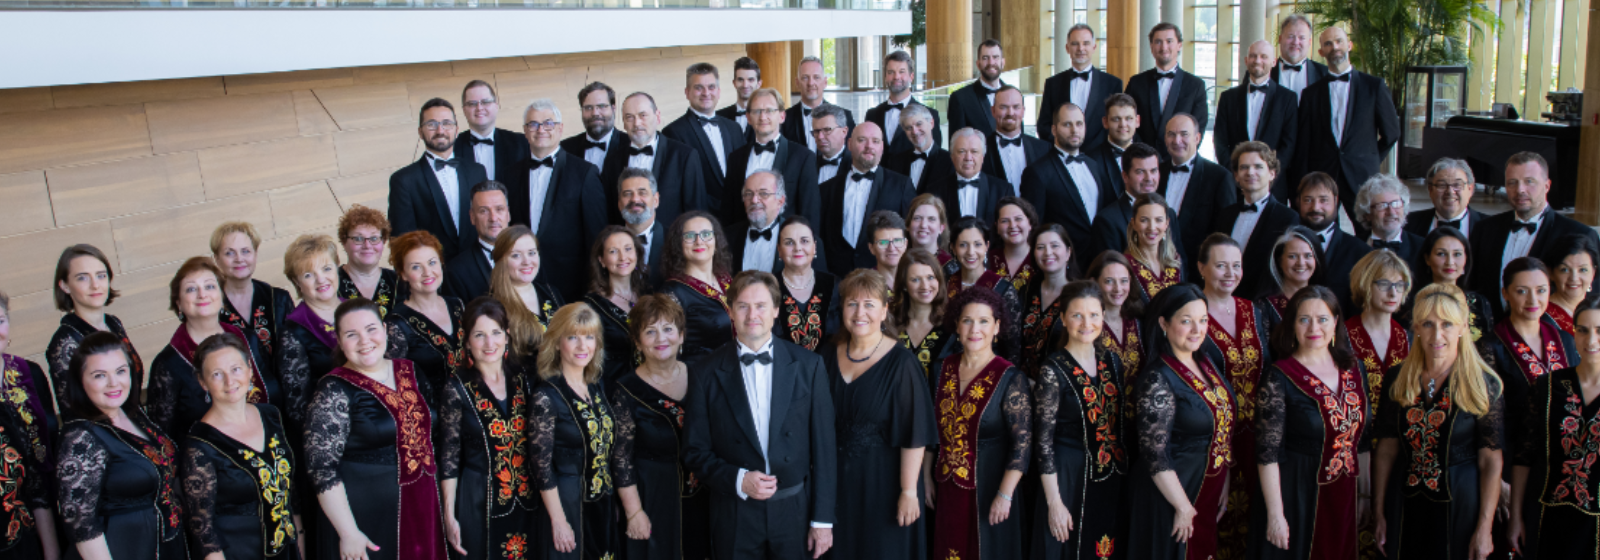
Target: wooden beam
1588	187
1541	41
1508	72
1020	21
774	61
950	47
1121	38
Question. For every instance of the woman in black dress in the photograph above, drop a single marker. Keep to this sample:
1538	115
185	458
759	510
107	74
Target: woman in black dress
364	233
25	391
427	322
177	397
369	451
118	472
529	302
1042	305
237	466
884	419
972	248
1436	475
1151	251
650	416
918	308
82	289
581	471
695	263
985	437
1186	415
1297	262
616	282
307	345
485	468
810	308
1078	396
1527	344
1446	258
254	307
1572	260
1553	477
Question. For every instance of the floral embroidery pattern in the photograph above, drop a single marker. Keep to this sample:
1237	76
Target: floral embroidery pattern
601	428
1343	415
1209	386
1531	365
998	264
12	472
1580	443
1424	423
1561	317
1036	324
1242	357
516	546
382	295
1367	354
16	394
691	483
1148	281
273	474
803	322
986	280
163	454
717	292
959	412
508	440
1105	546
1100	411
1127	348
446	345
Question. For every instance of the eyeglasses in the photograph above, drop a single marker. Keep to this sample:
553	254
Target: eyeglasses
1393	204
596	107
546	125
705	235
761	112
1455	187
374	240
898	242
477	104
820	132
1387	286
763	195
434	125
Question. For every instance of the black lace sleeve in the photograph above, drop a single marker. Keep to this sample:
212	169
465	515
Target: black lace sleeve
327	431
1154	412
200	499
1271	415
1531	446
59	356
453	411
1046	406
627	429
399	346
294	373
81	472
161	405
1491	426
1018	409
542	438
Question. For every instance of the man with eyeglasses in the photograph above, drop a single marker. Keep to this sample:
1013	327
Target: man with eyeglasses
769	150
898	74
925	158
746	80
854	194
1381	207
1009	151
830	133
414	190
482	143
680	185
963	185
798	119
1525	230
713	136
1347	123
1450	187
597	144
754	235
559	197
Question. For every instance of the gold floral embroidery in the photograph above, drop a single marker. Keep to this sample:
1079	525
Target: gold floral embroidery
958	420
600	428
1242	358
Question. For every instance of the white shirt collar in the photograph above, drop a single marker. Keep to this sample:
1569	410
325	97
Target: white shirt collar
998	134
603	139
1396	238
1264	80
867	172
711	115
746	349
475	134
1189	162
653	141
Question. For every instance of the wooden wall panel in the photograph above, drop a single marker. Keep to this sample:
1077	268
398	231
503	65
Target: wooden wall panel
89	95
107	190
388	148
220	121
276	82
148	240
517	89
34	319
27	206
488	65
370	190
313	117
401	72
42	139
358	107
25	99
31	257
146	296
150	339
235	170
303	208
448	89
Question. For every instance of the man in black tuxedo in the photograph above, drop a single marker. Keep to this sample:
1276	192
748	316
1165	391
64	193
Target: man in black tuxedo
1526	230
1197	188
559	197
970	106
467	275
1257	110
1294	70
1317	202
482	143
762	437
1347	122
637	199
433	194
1257	220
925	158
1063	185
897	75
676	167
700	128
1381	207
1008	151
1141	174
1450	187
754	236
1082	85
853	195
963	186
1121	122
1166	90
597	143
831	136
768	149
797	125
746	80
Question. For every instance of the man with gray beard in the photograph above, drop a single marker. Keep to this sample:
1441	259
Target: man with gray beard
755	239
637	199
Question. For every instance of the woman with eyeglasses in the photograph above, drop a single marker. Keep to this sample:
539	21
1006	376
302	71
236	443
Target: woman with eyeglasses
930	230
1113	275
1296	263
1527	344
888	234
810	308
1448	257
364	233
1380	281
1572	260
1010	256
1041	298
696	265
1151	251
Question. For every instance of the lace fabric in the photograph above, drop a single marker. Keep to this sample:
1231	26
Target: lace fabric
200	493
1018	411
622	453
453	410
1155	417
1271	417
81	471
294	375
542	435
326	432
1047	389
1491	426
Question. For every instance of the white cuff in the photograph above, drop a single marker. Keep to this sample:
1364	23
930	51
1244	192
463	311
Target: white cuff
821	525
738	485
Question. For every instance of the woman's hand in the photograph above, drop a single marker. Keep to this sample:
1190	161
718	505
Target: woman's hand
639	526
1503	511
909	510
1482	545
355	547
452	533
1060	522
1380	532
999	511
1514	533
1363	509
929	487
1183	524
1278	532
561	533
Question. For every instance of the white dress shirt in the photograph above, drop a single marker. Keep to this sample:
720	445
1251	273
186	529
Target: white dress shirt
917	165
759	253
484	153
968	196
741	116
1078	90
1520	241
1246	223
451	185
1165	86
891	122
1338	98
649	236
1012	160
642	160
1295	80
488	251
714	134
758	390
1088	189
1327	235
991	88
763	160
855	204
825	172
1178	185
1462	217
538	188
1254	101
597	156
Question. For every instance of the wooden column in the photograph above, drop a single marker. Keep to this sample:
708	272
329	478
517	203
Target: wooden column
1541	42
1508	72
1120	38
950	47
797	51
1588	187
775	69
1019	24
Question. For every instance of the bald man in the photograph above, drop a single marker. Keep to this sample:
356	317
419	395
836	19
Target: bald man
852	195
1347	123
1258	109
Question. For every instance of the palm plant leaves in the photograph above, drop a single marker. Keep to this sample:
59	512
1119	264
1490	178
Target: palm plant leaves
1388	36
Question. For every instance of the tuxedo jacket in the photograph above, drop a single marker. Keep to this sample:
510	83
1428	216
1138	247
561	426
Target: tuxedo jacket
901	142
577	144
798	166
416	202
732	113
1109	159
1421	222
1058	92
1410	250
970	107
574	213
938	163
722	439
679	179
1274	221
1032	149
1047	185
890	191
1313	70
1371	127
944	185
739	238
688	131
1211	188
1188	95
508	148
794	123
844	164
1340	258
658	238
1276	127
1110	228
1489	238
467	275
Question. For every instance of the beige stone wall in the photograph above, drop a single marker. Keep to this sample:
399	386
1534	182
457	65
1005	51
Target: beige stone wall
146	170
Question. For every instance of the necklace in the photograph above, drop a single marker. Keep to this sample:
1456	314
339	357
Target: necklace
869	354
799	287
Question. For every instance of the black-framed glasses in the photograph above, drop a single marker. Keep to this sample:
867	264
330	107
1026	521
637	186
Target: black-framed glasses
705	235
1387	286
477	104
374	240
435	125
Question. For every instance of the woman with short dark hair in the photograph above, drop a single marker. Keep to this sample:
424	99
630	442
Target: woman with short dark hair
82	289
1446	258
178	397
809	309
1527	344
1572	260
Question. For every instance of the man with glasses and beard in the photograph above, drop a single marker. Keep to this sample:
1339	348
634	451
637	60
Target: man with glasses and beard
680	187
1082	85
898	73
597	143
797	120
482	143
769	150
1317	201
1450	188
415	189
970	106
637	201
754	236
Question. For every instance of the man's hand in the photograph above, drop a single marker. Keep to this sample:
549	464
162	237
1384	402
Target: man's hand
759	486
818	541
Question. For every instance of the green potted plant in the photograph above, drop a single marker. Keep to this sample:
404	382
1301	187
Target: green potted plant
1389	36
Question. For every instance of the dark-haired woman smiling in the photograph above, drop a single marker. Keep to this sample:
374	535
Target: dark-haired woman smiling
616	281
1527	344
695	263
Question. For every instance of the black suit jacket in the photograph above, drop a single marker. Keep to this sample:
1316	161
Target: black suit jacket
1110	228
970	107
578	144
508	148
1032	149
1421	222
722	438
732	113
467	275
416	202
679	179
794	124
1340	258
1058	92
1371	127
1489	239
901	142
1047	185
939	163
658	238
1109	159
1275	219
799	169
1211	188
1313	70
574	212
890	191
688	131
1276	127
1410	249
943	185
739	237
1188	95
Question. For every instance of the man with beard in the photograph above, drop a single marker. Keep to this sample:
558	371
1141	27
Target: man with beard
675	166
1008	151
754	236
1381	207
637	200
925	158
1195	187
700	128
433	193
1525	230
597	143
467	275
970	106
1317	201
559	197
1141	174
963	186
482	143
1166	90
830	133
797	120
898	73
746	80
1347	123
1064	186
1450	187
769	150
1082	85
1257	220
854	194
1294	70
1257	110
1121	121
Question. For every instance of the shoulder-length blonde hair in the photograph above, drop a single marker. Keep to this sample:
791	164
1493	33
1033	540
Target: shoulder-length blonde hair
526	330
1468	389
1371	268
1167	251
572	319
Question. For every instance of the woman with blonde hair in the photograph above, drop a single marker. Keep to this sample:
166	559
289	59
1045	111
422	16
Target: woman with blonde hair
1380	281
1440	435
254	307
529	302
1151	251
308	345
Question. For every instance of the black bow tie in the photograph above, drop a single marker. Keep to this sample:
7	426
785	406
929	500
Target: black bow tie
647	150
644	241
763	234
860	177
1390	245
894	105
1249	208
765	358
805	111
1263	88
1448	223
439	164
1076	159
1284	66
964	183
546	162
919	155
739	113
1167	75
705	121
1345	77
1180	169
1010	141
1529	227
758	149
588	144
1322	239
1116	152
824	162
476	140
1076	75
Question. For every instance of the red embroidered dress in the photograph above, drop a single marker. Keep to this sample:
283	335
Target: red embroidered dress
967	422
1377	367
1291	395
1151	282
1019	278
1561	317
1243	358
1563	453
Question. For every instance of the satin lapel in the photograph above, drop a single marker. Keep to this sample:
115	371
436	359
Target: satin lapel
705	142
657	236
436	192
1072	197
732	380
662	152
988	109
550	191
1349	106
780	158
1173	92
784	379
951	195
872	195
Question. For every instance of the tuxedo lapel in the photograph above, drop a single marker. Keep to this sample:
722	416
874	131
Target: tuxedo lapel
549	209
436	192
1074	199
780	157
783	382
706	149
1349	106
732	380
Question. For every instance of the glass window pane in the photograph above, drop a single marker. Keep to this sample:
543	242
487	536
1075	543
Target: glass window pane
1205	24
1205	60
1236	19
